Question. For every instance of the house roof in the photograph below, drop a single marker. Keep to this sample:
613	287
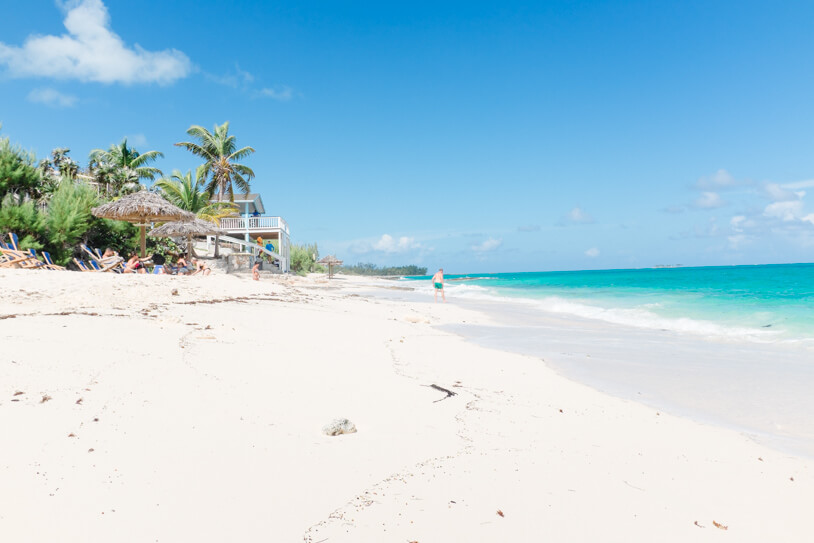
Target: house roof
251	200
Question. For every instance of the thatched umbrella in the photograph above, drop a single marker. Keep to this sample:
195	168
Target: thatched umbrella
141	208
187	229
330	261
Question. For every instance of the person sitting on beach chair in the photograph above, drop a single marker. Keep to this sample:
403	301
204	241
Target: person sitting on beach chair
135	264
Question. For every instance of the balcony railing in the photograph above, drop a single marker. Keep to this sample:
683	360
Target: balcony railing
232	224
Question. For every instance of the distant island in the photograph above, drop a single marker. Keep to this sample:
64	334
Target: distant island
668	265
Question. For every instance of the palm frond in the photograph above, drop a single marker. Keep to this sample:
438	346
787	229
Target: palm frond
240	154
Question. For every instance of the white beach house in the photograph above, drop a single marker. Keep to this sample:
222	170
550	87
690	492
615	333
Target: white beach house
252	223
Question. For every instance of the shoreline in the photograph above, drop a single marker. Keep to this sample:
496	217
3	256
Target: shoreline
210	429
755	387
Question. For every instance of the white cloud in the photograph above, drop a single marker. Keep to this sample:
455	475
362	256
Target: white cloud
234	79
283	94
51	97
388	244
91	51
736	223
708	200
785	211
780	193
593	252
576	216
489	244
799	184
721	179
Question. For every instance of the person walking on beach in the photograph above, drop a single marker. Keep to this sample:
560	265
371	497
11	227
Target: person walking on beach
255	270
438	284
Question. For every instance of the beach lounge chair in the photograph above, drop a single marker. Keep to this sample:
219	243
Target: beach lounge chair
114	267
82	266
33	263
49	264
13	257
10	258
115	263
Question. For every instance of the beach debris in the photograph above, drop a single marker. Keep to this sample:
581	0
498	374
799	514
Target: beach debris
791	479
696	523
79	401
174	292
500	513
719	525
759	458
72	434
45	398
338	427
442	389
96	419
90	450
19	392
561	411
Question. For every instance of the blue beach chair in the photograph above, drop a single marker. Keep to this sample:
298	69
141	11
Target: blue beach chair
49	264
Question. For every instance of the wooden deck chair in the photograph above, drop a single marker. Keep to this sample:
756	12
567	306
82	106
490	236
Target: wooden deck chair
92	252
49	264
34	263
115	263
111	267
12	258
82	266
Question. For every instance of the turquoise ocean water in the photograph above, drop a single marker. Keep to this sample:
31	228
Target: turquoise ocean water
763	303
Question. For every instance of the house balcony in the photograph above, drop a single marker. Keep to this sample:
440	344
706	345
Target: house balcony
254	224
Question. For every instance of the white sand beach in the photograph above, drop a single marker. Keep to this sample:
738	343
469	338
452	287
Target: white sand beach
129	413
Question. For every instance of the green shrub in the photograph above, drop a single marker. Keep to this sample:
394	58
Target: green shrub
18	170
24	219
303	258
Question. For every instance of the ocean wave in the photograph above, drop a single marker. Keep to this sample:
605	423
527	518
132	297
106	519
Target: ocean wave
640	317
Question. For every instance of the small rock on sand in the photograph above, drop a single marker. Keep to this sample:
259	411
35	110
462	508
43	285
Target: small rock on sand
339	427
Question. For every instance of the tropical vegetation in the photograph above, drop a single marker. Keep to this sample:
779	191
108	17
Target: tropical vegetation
48	203
120	169
373	269
221	167
304	258
187	192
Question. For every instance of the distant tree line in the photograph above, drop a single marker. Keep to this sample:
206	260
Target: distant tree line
372	269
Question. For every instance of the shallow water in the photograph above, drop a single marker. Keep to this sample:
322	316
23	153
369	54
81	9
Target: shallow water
743	377
761	303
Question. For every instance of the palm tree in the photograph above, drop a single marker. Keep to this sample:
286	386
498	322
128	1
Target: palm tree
187	192
123	167
221	156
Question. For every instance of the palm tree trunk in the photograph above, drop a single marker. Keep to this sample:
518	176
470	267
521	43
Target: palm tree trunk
217	237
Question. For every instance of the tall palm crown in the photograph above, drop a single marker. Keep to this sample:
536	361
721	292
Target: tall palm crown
129	162
187	192
221	156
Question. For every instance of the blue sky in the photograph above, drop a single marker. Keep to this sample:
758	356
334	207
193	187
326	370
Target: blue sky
474	136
